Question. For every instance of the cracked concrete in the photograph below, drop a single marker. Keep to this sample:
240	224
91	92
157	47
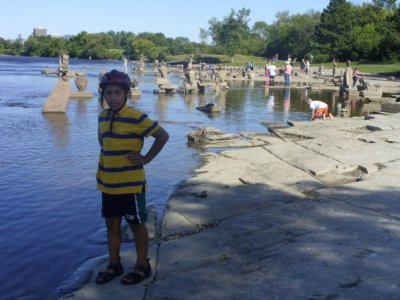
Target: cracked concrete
314	218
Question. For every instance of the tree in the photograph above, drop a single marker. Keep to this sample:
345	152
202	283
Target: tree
203	36
147	48
389	4
232	33
333	34
292	34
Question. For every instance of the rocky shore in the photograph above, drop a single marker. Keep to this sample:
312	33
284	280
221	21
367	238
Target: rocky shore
309	212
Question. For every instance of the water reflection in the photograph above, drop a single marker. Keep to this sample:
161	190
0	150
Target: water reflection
286	104
202	99
81	107
348	106
162	106
271	103
266	88
191	99
59	128
221	99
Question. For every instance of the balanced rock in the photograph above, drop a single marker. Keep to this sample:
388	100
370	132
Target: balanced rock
59	97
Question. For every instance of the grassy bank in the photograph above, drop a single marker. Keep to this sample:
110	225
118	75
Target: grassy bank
238	60
373	68
241	60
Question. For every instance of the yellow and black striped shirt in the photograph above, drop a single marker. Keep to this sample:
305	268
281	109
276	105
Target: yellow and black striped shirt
118	135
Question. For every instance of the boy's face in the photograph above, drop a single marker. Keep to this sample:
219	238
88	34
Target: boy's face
115	96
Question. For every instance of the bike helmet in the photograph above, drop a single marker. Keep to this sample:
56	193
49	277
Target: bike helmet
115	77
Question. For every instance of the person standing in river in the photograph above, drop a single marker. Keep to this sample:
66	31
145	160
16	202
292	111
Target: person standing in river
288	73
120	174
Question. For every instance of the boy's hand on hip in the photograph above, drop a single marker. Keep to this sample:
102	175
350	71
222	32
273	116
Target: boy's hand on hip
136	158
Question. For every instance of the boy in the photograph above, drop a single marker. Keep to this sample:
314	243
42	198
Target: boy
319	109
120	175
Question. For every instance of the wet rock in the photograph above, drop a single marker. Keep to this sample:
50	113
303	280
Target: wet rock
208	134
209	108
391	107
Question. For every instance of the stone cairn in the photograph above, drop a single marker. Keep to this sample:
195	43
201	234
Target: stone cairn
59	97
161	73
142	66
190	83
135	91
81	84
194	82
361	88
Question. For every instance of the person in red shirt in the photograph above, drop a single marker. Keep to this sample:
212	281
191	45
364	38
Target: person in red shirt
355	76
288	73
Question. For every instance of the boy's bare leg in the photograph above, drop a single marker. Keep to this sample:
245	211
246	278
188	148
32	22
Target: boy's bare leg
141	236
113	238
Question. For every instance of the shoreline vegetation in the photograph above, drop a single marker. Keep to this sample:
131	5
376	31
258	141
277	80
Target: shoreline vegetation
342	31
377	68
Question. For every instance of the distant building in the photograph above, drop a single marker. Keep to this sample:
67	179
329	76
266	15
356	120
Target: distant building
40	31
56	35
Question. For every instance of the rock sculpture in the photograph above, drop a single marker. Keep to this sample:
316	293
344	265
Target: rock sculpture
81	83
347	82
64	62
161	73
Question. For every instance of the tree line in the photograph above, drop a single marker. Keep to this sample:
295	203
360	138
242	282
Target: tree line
343	30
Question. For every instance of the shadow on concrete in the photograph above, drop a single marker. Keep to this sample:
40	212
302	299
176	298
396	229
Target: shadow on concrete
255	242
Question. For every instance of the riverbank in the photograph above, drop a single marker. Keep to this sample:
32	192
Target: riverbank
311	212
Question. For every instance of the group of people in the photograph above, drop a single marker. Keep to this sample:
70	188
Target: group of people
271	71
318	109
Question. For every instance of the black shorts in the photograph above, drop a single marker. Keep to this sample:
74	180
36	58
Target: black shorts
130	206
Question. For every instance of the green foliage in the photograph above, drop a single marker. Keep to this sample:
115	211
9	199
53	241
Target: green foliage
333	34
292	34
9	47
232	33
43	46
369	31
344	30
389	4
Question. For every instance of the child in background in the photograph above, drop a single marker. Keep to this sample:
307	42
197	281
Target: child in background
318	109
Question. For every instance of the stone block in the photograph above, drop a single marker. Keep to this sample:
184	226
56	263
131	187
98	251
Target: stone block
81	95
391	107
59	97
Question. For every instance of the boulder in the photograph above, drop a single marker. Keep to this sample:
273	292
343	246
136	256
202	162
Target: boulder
209	108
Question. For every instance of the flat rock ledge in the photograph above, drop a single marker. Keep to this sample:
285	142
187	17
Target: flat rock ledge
313	212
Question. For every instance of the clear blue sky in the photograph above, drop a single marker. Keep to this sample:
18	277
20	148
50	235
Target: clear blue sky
173	18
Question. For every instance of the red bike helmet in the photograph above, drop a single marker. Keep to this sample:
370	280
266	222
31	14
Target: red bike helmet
116	77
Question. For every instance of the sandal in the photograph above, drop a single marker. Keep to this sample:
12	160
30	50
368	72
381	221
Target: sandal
113	270
139	274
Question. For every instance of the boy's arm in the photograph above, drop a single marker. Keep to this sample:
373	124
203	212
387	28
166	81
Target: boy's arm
161	138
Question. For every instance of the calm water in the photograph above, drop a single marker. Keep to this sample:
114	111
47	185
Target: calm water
49	205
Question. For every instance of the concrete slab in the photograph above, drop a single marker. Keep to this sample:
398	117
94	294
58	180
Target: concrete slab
114	289
308	159
299	250
354	151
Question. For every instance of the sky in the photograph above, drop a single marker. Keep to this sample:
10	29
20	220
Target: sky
173	18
